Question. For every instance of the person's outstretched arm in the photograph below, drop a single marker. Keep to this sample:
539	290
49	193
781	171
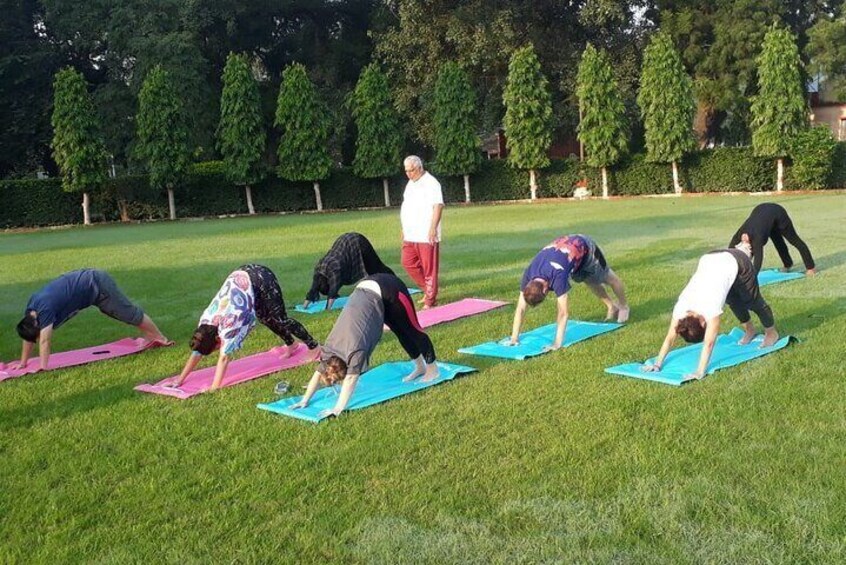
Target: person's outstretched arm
347	390
220	371
44	341
519	313
313	385
712	329
191	364
561	321
669	340
26	353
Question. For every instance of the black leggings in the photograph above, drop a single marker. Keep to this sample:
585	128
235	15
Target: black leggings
270	306
401	317
745	294
372	263
771	221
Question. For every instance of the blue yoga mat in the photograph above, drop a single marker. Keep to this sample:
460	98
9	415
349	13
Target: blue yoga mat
375	386
683	361
532	343
320	305
773	276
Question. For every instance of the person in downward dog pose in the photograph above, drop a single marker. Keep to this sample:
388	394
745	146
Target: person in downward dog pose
770	221
350	259
249	294
570	257
378	300
725	276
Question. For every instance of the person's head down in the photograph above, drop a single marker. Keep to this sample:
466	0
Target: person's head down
205	339
28	328
691	328
335	370
535	292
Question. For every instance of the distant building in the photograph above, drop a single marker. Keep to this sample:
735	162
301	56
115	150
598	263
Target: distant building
826	110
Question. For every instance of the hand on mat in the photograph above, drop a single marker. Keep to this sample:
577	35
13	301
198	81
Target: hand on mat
15	366
299	405
694	376
650	368
508	342
551	347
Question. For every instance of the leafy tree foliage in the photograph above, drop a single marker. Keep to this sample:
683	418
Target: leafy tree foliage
240	134
528	114
304	123
666	104
603	128
457	150
163	133
77	145
378	146
779	111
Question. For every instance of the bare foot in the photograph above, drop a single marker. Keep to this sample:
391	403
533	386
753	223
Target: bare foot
623	315
810	272
747	337
432	373
284	351
770	337
612	312
418	370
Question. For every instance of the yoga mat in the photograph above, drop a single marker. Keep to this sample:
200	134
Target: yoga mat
63	359
683	361
456	310
239	371
320	305
375	386
773	276
533	342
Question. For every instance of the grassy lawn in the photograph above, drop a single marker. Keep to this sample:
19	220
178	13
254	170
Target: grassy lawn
543	460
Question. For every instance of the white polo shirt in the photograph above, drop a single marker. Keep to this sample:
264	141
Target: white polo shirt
418	205
709	286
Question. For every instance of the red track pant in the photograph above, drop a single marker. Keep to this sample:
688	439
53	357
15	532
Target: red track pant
421	261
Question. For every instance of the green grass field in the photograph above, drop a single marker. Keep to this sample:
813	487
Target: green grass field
547	460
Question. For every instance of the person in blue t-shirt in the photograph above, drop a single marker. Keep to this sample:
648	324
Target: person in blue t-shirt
62	298
575	257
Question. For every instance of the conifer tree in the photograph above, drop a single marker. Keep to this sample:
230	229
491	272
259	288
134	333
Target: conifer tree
378	147
78	146
240	134
304	122
457	148
778	111
528	114
163	133
666	105
603	128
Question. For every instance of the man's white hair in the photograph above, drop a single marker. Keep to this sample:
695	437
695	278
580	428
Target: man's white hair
414	161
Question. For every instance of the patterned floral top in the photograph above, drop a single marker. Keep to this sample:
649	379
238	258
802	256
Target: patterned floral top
233	311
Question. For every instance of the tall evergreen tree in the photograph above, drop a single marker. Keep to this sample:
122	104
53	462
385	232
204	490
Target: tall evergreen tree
163	133
457	147
603	129
666	105
528	115
78	146
304	122
378	147
778	111
240	134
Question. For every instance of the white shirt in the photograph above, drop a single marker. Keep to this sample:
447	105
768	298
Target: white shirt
418	205
706	292
372	286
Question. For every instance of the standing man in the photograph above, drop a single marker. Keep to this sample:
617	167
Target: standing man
420	215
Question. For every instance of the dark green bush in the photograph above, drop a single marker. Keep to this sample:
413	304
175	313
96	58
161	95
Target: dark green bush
727	169
30	202
812	152
838	167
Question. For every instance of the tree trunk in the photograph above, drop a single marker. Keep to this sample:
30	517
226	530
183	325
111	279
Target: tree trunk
385	187
704	123
249	192
317	196
86	211
533	183
780	177
171	203
467	188
124	210
605	183
676	185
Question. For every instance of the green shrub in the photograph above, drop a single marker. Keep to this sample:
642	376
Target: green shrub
837	179
30	202
727	169
812	151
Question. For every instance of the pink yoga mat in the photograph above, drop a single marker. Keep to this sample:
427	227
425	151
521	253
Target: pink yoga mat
126	346
239	371
456	310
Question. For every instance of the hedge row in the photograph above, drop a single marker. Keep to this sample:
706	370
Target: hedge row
206	192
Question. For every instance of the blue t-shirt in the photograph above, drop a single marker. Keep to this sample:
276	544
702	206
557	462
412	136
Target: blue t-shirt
556	262
62	298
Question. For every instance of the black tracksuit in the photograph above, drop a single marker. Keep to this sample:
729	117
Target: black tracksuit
770	221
